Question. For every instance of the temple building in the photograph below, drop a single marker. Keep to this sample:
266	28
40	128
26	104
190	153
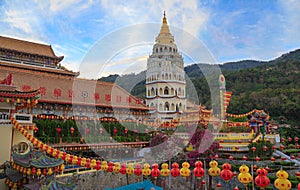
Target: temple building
63	94
165	77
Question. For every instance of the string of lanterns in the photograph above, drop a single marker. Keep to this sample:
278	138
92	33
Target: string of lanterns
245	114
226	174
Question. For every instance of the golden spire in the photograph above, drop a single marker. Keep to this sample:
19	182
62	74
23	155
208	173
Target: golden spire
164	36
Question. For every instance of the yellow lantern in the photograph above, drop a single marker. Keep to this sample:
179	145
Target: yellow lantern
244	177
146	170
282	183
38	172
214	170
130	169
62	167
117	167
83	162
185	171
104	166
93	163
74	161
165	172
28	172
50	172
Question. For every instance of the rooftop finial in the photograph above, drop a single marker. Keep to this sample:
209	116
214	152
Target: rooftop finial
164	19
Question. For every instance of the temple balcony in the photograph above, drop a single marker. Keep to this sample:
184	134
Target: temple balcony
23	117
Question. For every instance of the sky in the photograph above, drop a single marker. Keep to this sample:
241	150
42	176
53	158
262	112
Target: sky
82	30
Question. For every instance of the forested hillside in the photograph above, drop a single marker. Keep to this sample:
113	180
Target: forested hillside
270	85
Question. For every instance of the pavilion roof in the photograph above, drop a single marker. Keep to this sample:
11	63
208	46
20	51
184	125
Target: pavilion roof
36	159
27	47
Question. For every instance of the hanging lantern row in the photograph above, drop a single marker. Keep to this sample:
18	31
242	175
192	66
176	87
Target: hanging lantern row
12	184
103	119
245	114
226	174
28	101
37	171
239	124
31	128
90	110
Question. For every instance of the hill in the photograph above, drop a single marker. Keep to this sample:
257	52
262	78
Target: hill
270	85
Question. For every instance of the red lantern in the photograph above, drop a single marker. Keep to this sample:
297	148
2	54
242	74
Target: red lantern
272	159
123	168
283	158
257	159
245	158
289	139
219	185
115	131
265	148
226	174
72	130
253	149
274	147
231	158
44	171
126	130
58	130
254	167
292	157
296	139
33	171
175	172
262	180
155	171
198	170
138	170
110	167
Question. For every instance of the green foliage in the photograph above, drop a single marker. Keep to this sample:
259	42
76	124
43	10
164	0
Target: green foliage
260	149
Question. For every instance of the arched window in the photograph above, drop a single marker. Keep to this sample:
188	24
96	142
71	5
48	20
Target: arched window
167	106
163	76
156	50
179	92
148	92
172	91
170	49
160	91
160	107
166	91
160	49
172	107
152	91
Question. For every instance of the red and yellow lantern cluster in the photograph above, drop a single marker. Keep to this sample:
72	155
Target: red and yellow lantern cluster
37	171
